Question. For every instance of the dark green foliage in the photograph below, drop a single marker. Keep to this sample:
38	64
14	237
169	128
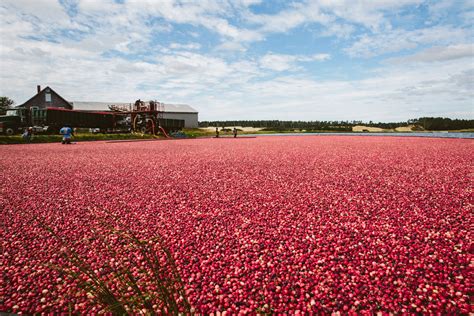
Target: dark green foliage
42	138
443	124
427	123
5	104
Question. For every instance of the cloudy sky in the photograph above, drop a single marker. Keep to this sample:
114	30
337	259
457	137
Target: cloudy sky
380	60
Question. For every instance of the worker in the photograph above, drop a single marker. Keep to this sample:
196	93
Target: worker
28	134
217	132
137	105
235	132
67	133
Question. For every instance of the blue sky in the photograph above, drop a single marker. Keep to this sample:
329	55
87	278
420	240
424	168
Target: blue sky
380	60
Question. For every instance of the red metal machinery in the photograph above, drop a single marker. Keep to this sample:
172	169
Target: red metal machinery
146	117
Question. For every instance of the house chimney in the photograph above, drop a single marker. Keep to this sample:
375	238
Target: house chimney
38	87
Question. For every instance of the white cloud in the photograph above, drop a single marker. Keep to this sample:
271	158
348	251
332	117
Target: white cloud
468	17
189	46
103	6
339	30
231	46
279	62
439	6
286	20
315	57
337	17
43	10
280	22
209	14
437	54
368	13
397	40
247	3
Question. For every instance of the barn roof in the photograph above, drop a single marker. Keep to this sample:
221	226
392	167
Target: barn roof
104	106
96	106
179	108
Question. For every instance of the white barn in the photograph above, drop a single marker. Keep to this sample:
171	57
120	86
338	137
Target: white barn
182	112
171	111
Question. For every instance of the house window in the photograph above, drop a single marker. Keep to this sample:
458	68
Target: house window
47	97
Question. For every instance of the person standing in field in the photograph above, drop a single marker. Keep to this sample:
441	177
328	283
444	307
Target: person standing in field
217	132
235	132
67	133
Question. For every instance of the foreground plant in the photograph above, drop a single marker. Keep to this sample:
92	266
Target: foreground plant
145	283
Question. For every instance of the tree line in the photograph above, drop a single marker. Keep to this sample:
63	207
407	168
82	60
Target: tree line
442	123
426	123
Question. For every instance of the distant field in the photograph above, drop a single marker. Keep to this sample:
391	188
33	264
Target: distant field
187	133
257	225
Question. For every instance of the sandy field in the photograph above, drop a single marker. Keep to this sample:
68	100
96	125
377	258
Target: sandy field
361	128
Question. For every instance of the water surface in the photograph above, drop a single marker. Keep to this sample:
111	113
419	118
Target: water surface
411	134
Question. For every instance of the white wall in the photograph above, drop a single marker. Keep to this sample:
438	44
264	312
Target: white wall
190	119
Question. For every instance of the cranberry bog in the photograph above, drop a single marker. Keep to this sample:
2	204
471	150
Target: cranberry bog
258	225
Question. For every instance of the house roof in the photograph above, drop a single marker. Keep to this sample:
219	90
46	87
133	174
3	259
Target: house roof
50	89
104	106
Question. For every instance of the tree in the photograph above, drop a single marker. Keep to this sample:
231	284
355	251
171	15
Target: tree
5	104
